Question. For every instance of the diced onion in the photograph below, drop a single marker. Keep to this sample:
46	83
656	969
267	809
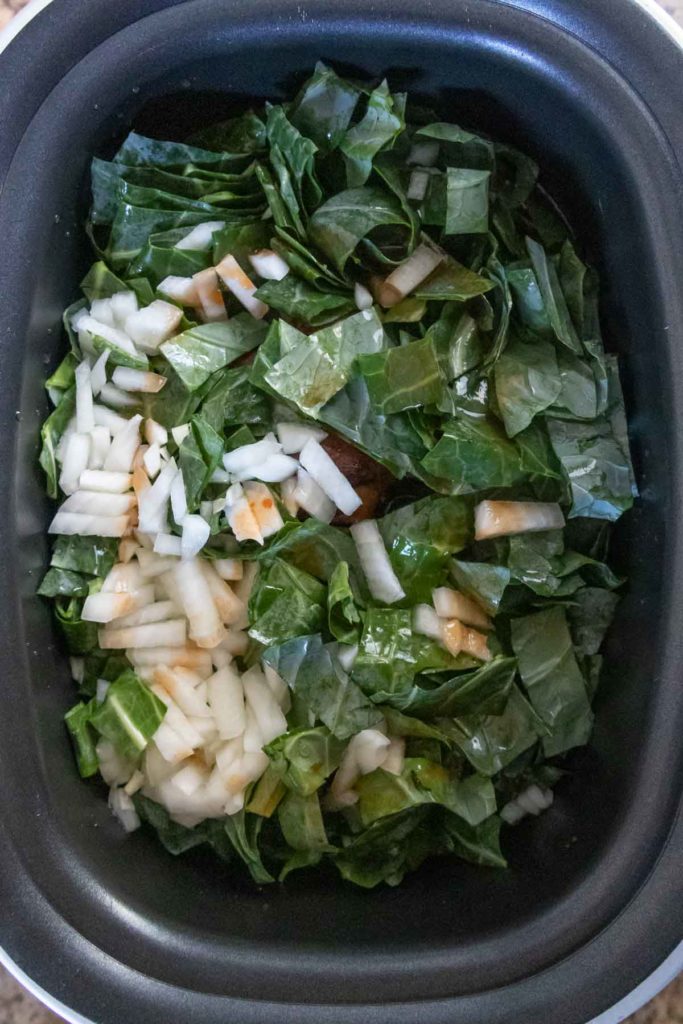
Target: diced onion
266	709
137	380
123	808
382	580
324	471
111	335
263	507
206	628
293	436
108	418
362	297
122	305
97	503
427	622
241	459
171	633
158	611
229	568
499	518
424	153
241	286
100	310
201	236
76	455
123	448
181	691
229	607
168	544
226	697
111	395
180	289
210	296
152	460
85	419
395	756
155	433
151	326
73	524
460	639
269	265
312	499
408	275
450	604
196	532
417	186
178	498
100	442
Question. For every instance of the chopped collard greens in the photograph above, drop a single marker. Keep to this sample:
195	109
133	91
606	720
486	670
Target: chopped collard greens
337	449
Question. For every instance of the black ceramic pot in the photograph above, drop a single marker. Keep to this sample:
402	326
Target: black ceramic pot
111	926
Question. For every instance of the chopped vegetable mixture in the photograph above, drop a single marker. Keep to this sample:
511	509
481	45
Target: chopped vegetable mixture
336	449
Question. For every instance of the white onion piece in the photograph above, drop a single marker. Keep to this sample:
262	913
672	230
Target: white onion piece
287	489
158	611
168	544
72	524
324	471
123	448
123	808
85	419
263	507
196	532
98	373
274	470
244	587
382	580
153	565
101	688
69	431
172	747
451	604
220	476
178	498
155	433
180	432
118	399
229	568
201	236
408	275
100	441
122	305
111	335
96	503
269	265
193	592
107	607
186	657
242	459
533	800
211	302
417	186
366	752
346	655
122	579
229	607
226	697
499	518
138	380
458	639
154	324
108	418
114	769
171	633
152	460
309	496
152	502
267	711
235	642
427	622
179	289
127	549
240	516
293	436
100	310
189	778
105	481
395	757
241	286
75	461
362	297
181	690
424	153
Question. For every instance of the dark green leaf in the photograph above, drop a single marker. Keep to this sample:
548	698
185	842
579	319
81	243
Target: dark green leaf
485	583
324	107
467	201
479	844
129	715
378	127
83	739
339	224
491	742
64	583
343	617
404	377
303	302
243	832
453	282
199	455
553	297
527	381
51	434
305	758
285	602
301	821
197	353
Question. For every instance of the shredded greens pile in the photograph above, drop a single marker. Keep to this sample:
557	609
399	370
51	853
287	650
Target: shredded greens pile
379	653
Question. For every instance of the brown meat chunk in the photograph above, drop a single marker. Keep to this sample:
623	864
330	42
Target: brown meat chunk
368	478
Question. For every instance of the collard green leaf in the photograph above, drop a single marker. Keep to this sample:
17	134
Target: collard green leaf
129	715
303	302
343	616
446	524
485	583
467	201
458	343
404	377
324	107
317	548
239	240
305	758
491	742
316	678
243	134
577	398
101	283
173	837
301	821
528	301
484	691
381	793
552	677
553	297
77	721
202	350
596	458
452	282
320	364
243	831
389	848
285	602
474	454
479	844
138	150
380	124
460	147
299	154
232	400
51	434
93	556
339	224
527	381
63	583
199	455
590	615
80	637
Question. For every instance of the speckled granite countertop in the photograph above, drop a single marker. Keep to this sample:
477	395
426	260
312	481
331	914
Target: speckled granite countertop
18	1007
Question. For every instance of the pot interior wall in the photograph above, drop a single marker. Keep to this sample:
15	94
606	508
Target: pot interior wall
506	80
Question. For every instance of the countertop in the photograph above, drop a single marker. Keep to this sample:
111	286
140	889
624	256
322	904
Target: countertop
18	1007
